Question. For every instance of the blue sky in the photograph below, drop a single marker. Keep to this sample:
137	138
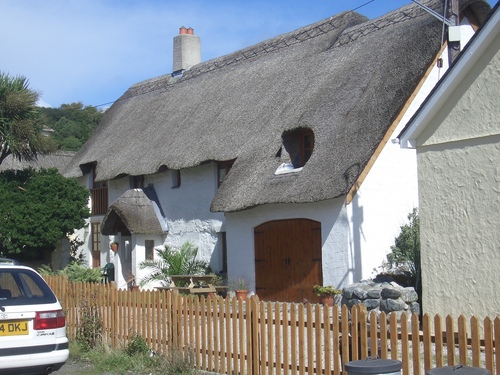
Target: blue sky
92	51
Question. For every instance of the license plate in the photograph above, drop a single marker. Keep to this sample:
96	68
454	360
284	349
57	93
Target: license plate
14	328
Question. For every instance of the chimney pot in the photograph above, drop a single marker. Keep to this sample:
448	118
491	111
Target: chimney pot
190	31
182	30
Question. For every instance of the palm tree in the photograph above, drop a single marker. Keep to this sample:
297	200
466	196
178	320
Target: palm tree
173	262
20	126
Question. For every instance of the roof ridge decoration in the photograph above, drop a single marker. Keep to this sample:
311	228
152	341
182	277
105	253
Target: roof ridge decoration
268	46
377	24
282	41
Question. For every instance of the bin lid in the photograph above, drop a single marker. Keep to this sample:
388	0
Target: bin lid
458	370
374	365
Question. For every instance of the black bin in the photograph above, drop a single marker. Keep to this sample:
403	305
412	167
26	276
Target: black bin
109	272
458	370
374	366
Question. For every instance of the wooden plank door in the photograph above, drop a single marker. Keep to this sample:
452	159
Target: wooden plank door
287	259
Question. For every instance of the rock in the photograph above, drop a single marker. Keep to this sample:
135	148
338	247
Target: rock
359	293
415	308
374	293
353	302
371	303
409	295
391	293
389	305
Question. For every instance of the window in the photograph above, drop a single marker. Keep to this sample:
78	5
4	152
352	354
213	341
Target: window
223	168
299	143
306	145
149	245
96	244
176	178
99	195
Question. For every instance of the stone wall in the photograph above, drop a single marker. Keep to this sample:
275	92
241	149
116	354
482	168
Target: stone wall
385	296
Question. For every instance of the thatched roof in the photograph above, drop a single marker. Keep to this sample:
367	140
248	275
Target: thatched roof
346	78
58	160
133	212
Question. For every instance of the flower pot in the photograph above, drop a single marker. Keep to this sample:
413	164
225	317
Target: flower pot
326	300
134	288
241	294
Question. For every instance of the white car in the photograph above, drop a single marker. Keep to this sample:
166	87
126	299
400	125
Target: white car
32	323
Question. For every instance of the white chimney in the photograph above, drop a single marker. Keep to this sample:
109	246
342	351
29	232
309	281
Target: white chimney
187	50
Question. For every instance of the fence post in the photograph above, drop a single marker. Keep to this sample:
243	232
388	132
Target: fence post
254	337
114	314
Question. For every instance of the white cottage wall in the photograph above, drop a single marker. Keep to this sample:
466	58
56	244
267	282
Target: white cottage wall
138	255
187	209
337	262
390	190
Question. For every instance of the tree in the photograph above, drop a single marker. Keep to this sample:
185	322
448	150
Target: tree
37	209
72	124
173	262
20	125
405	253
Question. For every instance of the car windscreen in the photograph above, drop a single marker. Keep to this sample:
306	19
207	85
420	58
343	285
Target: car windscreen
22	287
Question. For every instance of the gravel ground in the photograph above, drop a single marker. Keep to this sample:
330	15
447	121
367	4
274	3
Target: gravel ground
74	367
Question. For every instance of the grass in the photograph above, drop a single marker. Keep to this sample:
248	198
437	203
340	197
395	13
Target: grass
104	360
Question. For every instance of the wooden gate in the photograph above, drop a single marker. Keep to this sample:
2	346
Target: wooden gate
288	260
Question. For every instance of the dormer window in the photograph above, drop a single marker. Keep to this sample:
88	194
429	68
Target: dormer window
299	143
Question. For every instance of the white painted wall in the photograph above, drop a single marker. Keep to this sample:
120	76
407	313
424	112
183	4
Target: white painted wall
187	209
390	190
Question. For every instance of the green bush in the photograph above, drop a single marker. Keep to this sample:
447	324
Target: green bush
77	272
89	334
326	290
137	346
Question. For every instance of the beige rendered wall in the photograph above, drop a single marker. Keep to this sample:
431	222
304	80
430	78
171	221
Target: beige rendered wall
459	192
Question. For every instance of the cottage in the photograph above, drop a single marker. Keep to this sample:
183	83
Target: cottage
274	160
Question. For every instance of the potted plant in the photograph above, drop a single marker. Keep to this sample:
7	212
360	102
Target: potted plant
215	281
239	285
326	294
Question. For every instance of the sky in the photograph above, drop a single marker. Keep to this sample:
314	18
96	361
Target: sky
92	51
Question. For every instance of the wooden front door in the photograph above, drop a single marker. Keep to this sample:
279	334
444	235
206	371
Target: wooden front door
287	260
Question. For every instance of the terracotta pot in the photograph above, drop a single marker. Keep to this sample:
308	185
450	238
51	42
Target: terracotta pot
241	294
326	300
134	288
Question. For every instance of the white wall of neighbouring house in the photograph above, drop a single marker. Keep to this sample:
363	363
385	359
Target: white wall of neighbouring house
338	263
459	182
390	190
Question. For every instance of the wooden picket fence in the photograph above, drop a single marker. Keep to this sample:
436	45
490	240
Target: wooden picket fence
230	336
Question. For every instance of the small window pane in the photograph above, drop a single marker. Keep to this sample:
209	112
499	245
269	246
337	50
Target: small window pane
150	249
